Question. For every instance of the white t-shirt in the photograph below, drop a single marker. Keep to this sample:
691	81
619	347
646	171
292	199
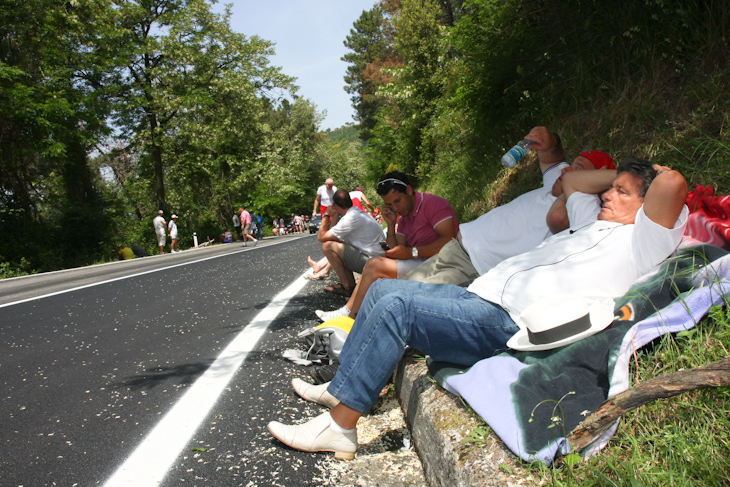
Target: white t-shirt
360	230
599	260
512	228
159	224
172	226
325	195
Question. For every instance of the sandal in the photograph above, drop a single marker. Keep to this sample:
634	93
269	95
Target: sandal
339	289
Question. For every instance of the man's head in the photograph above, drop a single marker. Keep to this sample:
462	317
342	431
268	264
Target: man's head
329	183
173	217
623	200
396	191
342	199
159	212
585	161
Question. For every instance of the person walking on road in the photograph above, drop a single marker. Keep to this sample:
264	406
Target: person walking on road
246	227
159	224
172	228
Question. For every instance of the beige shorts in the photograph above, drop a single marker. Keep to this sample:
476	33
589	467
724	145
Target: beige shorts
451	265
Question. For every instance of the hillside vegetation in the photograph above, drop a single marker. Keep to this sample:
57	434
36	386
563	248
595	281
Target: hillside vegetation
443	88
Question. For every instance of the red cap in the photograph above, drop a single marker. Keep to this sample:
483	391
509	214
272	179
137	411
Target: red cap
599	159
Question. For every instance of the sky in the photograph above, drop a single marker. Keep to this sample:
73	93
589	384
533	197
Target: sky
308	37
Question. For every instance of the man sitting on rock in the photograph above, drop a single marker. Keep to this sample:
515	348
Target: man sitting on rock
350	238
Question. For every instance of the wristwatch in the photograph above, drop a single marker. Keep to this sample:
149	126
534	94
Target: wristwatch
414	252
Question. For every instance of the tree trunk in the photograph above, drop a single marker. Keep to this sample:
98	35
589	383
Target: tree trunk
714	375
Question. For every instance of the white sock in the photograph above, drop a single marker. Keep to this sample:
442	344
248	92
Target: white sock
345	310
339	429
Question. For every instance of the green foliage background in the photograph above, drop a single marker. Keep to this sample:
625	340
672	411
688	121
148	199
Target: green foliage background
647	79
113	109
104	122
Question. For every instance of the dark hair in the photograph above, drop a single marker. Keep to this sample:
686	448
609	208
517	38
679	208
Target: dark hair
641	169
342	199
393	180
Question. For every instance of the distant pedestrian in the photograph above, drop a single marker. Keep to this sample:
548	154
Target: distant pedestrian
359	199
159	223
324	196
138	250
275	226
246	224
126	253
260	221
172	227
254	226
237	225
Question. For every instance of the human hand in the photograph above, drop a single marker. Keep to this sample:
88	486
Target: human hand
401	252
389	215
541	138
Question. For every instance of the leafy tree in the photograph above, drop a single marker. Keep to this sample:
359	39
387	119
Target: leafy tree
187	74
52	115
370	41
415	87
287	165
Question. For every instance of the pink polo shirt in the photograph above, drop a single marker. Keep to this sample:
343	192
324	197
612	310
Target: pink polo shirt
245	217
429	210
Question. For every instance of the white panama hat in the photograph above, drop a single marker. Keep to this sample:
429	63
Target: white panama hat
558	321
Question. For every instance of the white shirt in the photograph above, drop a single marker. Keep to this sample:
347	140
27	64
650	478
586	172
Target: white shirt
325	195
599	260
172	226
360	230
512	228
159	224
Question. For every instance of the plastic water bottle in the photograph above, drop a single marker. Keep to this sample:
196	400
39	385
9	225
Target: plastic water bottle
516	153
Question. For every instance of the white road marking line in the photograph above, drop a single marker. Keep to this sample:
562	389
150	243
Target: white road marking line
150	461
126	277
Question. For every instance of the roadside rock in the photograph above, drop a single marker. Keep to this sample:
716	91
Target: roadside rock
439	422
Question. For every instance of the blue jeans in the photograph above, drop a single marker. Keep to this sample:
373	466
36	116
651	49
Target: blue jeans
441	320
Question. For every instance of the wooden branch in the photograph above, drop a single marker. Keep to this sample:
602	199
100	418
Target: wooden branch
714	375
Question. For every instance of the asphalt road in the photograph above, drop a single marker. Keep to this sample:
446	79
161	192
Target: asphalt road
151	371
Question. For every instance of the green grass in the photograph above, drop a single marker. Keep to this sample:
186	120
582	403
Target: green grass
679	441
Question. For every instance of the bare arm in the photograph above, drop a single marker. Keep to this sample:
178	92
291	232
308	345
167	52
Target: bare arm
589	182
665	197
367	203
316	204
557	217
324	234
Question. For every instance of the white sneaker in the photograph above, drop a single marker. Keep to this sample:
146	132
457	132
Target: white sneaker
255	241
314	393
330	315
316	435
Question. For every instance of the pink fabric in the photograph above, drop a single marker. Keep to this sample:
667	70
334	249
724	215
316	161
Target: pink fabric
245	217
429	211
709	218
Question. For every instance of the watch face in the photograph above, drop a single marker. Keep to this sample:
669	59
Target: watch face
415	252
